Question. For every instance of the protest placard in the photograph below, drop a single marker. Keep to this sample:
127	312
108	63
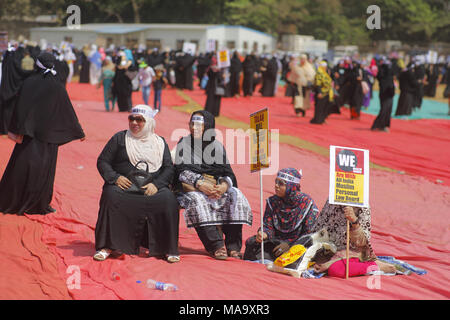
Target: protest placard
189	47
223	59
259	140
210	45
349	176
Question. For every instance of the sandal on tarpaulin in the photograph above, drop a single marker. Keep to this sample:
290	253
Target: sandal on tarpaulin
172	258
235	254
220	254
102	255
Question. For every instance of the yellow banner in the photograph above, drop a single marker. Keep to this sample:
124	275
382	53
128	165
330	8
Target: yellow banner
349	188
259	140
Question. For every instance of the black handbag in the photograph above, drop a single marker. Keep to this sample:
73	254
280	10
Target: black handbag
139	178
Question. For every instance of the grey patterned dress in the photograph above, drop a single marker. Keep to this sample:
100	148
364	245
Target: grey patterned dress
200	210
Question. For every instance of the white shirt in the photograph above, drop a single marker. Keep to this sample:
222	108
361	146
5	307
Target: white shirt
146	75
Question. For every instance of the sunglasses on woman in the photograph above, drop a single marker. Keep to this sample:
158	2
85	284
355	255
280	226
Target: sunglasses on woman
136	118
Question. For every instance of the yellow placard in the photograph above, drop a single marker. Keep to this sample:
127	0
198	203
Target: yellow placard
259	140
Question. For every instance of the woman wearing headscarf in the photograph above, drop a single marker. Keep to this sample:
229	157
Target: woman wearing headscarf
210	196
108	72
386	94
362	257
249	68
356	93
85	65
235	70
122	87
127	221
323	94
215	80
408	85
42	120
289	215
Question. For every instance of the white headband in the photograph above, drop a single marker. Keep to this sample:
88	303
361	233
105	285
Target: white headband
40	65
144	110
196	118
289	178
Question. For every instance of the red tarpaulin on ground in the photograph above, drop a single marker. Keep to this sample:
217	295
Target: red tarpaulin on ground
41	254
418	147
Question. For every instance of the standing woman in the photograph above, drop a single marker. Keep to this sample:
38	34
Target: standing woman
43	120
215	81
386	92
108	72
127	220
85	65
356	91
235	70
249	69
122	87
324	94
408	86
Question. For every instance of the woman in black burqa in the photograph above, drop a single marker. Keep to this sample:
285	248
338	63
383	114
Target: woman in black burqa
212	202
42	120
213	99
386	93
128	221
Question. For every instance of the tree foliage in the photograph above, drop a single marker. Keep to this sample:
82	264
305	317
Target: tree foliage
338	21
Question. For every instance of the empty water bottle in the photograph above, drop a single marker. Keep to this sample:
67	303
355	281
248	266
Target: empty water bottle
153	284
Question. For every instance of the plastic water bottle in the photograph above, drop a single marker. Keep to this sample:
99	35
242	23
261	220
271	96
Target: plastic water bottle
115	276
153	284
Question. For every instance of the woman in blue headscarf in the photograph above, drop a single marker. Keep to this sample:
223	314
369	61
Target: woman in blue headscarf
289	215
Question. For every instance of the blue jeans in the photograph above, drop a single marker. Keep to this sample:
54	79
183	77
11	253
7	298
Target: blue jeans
145	94
158	99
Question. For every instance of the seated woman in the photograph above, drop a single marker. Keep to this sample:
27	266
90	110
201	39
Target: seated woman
213	204
127	220
289	215
362	258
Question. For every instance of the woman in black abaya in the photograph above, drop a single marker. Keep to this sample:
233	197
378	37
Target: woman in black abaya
408	86
42	121
85	65
122	87
215	80
387	91
12	79
235	70
127	221
269	75
249	69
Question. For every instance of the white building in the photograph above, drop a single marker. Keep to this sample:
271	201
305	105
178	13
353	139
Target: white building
304	44
162	36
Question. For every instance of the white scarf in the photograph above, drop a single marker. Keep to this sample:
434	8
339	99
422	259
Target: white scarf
40	65
146	145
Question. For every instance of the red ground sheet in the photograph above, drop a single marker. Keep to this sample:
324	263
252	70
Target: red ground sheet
40	255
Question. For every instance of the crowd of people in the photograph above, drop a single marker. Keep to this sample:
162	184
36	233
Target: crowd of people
145	184
349	83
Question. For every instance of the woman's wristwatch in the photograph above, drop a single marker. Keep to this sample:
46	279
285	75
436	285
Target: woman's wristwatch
353	223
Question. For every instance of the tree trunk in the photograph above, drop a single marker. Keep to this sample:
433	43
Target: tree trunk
136	8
